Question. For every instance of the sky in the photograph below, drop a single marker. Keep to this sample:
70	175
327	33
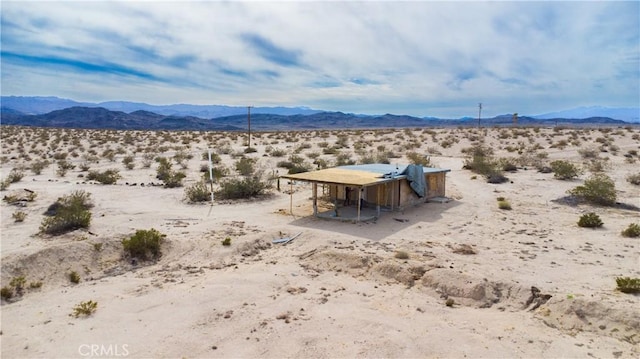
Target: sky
419	58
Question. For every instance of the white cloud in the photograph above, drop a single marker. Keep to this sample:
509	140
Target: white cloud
420	58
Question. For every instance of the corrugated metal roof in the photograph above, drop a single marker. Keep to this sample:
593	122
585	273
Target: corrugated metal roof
357	175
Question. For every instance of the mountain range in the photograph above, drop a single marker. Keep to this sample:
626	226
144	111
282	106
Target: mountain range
56	112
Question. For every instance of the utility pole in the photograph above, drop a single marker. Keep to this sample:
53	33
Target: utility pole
479	113
249	125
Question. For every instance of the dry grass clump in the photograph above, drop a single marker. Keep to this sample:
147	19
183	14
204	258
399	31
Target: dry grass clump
465	249
418	159
19	216
634	179
85	309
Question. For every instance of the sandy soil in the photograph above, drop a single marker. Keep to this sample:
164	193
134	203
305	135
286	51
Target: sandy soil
339	289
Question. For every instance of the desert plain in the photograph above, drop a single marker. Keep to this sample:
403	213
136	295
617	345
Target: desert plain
462	279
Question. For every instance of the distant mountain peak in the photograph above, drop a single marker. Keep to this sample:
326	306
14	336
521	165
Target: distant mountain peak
627	114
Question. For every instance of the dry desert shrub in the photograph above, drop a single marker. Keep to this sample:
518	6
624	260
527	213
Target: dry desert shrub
109	176
38	165
243	187
68	213
628	285
632	231
19	216
598	189
85	309
465	249
564	170
63	167
165	174
504	205
590	220
144	244
198	192
634	179
418	159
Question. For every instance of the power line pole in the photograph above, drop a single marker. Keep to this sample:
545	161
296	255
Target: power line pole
479	113
249	125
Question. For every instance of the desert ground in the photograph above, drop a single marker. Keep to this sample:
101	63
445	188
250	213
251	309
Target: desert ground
463	279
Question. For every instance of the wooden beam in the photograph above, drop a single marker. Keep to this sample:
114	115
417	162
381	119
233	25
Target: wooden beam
291	197
315	198
359	200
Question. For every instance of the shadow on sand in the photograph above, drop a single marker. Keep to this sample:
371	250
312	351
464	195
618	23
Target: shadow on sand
388	224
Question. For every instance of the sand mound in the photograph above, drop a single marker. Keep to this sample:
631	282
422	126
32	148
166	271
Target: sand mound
474	291
574	315
91	259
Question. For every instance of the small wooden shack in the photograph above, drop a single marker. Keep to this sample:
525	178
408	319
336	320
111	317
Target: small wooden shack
373	187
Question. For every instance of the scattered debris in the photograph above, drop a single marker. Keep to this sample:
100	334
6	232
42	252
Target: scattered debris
286	240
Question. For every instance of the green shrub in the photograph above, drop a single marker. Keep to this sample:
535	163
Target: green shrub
164	173
85	308
597	189
564	170
198	192
18	283
479	159
628	284
35	285
590	220
144	244
74	277
174	180
632	231
218	173
238	188
68	213
504	205
226	241
105	177
6	293
245	166
164	168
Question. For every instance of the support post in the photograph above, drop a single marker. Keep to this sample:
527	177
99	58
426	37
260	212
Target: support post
359	201
211	175
393	197
315	198
291	197
378	201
